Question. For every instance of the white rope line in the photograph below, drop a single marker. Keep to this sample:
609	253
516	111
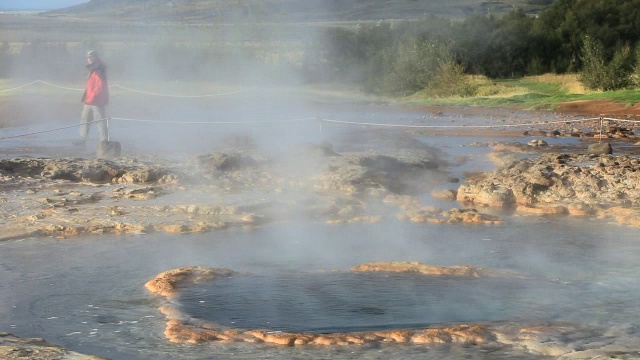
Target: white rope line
454	126
621	120
174	96
124	88
215	122
50	130
20	87
58	86
163	122
320	120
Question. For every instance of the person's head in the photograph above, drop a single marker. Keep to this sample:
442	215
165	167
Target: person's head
92	57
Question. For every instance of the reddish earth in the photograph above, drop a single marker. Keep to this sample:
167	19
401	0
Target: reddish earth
597	108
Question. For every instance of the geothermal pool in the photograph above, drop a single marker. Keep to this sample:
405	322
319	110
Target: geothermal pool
332	302
87	294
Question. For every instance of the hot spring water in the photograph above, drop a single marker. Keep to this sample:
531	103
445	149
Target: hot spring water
87	294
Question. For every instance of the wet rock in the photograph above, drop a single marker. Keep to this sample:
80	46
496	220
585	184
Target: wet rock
84	170
582	209
143	176
561	183
15	348
466	216
622	215
488	194
221	162
445	194
167	283
354	174
108	149
541	209
620	132
512	147
600	149
423	269
420	213
138	193
537	143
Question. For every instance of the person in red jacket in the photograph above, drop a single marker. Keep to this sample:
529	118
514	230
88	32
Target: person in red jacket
95	98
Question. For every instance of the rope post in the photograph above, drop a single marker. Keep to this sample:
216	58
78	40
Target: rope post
600	137
107	129
320	123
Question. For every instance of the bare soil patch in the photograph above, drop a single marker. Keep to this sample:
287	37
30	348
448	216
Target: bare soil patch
597	108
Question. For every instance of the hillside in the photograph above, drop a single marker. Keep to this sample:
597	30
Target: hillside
225	11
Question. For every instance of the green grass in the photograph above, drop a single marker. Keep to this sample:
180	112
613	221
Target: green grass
535	93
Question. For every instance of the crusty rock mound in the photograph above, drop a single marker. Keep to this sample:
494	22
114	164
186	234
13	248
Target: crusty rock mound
424	269
87	170
575	184
180	332
14	348
167	283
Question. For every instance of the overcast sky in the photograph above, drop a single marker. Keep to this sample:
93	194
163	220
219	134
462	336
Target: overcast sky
38	4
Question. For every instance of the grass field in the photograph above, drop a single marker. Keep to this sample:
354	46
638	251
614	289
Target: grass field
542	92
216	11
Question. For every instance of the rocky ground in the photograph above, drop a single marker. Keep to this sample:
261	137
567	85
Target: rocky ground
14	348
65	197
367	182
371	178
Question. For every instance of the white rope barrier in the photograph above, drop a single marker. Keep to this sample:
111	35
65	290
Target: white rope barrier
20	87
454	126
164	122
621	120
121	87
174	96
321	121
215	122
58	86
50	130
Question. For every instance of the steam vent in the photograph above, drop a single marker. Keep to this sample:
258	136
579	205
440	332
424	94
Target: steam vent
185	324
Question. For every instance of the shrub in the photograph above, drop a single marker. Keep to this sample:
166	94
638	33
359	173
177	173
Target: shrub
598	74
450	80
414	65
419	64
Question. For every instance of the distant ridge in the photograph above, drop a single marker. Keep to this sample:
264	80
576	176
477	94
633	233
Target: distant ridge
226	11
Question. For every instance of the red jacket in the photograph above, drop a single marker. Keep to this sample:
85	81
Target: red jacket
97	90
